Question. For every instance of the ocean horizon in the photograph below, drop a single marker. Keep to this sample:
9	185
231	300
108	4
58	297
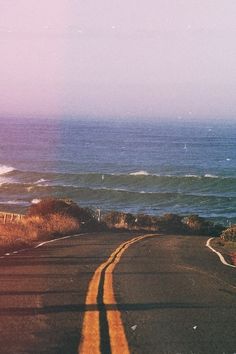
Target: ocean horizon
131	166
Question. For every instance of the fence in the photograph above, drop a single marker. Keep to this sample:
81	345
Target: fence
10	218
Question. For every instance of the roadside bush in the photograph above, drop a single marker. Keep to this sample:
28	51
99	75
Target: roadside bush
147	222
171	223
47	219
115	219
168	223
13	236
16	231
118	219
194	223
144	221
229	234
165	223
54	225
36	228
130	220
109	218
198	225
49	206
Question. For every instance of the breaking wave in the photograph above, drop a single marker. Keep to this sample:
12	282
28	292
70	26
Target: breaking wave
139	173
141	181
6	169
133	191
35	201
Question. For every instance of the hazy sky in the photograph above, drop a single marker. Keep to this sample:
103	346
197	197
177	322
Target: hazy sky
147	58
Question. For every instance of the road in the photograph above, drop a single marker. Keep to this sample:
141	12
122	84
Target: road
152	294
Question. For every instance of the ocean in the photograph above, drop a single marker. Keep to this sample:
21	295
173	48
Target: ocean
136	166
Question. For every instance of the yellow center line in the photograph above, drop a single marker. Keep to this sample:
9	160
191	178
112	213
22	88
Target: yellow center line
90	340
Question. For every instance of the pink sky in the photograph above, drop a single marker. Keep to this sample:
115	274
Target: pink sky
160	58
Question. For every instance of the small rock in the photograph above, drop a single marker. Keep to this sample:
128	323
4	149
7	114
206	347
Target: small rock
134	327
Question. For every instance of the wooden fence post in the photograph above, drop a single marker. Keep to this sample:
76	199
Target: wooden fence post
10	217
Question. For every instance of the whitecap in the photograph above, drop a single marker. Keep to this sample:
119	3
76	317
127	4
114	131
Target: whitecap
4	180
139	173
110	189
208	175
6	169
192	176
41	180
35	201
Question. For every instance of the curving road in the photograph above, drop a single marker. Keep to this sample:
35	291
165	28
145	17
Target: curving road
118	293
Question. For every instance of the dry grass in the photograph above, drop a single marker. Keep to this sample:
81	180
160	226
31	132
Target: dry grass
230	246
52	225
229	234
13	236
36	228
50	218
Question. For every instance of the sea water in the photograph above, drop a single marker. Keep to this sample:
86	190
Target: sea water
131	166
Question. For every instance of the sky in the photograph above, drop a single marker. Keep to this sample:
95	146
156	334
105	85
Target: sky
118	58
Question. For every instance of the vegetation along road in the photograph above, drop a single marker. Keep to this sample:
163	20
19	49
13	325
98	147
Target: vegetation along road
117	293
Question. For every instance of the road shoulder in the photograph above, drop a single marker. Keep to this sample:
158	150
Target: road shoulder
226	249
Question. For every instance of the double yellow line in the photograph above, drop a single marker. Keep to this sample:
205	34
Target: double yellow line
103	331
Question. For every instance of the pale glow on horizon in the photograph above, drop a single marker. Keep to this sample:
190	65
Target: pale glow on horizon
154	58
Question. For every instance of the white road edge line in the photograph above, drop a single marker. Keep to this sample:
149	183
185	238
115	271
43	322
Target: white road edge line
218	253
56	239
41	244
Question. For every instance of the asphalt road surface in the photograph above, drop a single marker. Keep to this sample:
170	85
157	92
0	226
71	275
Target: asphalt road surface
118	293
